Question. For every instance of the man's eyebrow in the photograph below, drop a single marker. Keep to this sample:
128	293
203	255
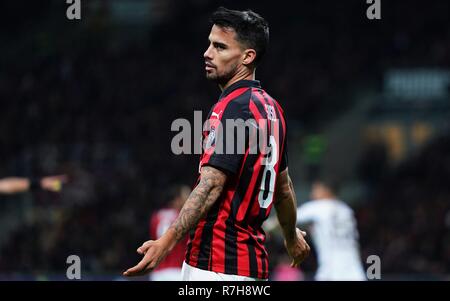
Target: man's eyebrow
216	44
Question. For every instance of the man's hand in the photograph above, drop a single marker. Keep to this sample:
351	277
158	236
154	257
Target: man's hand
197	205
298	248
154	251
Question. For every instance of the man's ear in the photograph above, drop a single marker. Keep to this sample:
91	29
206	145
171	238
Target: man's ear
249	56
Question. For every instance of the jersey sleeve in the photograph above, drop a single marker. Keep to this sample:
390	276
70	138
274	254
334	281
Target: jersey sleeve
230	142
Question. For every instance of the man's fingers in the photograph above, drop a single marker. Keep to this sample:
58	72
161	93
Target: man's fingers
139	269
152	256
300	257
145	246
142	249
296	261
300	232
134	271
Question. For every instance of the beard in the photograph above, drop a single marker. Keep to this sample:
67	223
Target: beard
223	77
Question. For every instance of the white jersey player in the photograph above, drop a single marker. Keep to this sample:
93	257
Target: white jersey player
334	234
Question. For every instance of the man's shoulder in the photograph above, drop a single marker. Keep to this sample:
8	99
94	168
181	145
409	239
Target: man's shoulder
259	95
256	95
238	104
243	98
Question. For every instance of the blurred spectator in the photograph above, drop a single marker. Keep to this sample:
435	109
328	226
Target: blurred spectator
170	268
13	185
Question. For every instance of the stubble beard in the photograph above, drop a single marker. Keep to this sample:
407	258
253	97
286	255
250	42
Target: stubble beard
223	78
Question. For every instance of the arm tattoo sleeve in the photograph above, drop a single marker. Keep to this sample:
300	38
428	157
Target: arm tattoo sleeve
200	200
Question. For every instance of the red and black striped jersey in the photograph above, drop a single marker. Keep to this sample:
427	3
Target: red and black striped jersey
230	238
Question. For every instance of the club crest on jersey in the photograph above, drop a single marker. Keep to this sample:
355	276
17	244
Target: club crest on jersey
210	141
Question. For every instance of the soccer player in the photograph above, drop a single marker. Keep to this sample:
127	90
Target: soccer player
334	233
235	191
14	185
170	268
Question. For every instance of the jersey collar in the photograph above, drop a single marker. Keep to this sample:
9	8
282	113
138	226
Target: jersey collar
240	84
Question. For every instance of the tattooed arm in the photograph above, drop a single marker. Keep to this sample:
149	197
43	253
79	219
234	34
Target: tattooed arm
286	207
199	202
196	206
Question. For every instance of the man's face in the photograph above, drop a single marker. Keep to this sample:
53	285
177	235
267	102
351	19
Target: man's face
318	191
223	58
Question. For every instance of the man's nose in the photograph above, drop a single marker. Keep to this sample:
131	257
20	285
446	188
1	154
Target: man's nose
207	54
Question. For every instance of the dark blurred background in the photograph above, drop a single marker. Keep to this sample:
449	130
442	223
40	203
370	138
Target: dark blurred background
367	101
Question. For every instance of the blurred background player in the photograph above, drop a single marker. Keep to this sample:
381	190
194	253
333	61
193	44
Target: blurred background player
170	268
12	185
334	233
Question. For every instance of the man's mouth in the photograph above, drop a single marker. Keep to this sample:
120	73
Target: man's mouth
209	66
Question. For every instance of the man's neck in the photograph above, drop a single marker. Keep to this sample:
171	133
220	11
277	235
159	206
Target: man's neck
238	77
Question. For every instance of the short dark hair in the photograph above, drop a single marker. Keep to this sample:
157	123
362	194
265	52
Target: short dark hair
251	29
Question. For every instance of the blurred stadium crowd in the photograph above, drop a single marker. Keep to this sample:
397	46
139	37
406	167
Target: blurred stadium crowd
88	100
